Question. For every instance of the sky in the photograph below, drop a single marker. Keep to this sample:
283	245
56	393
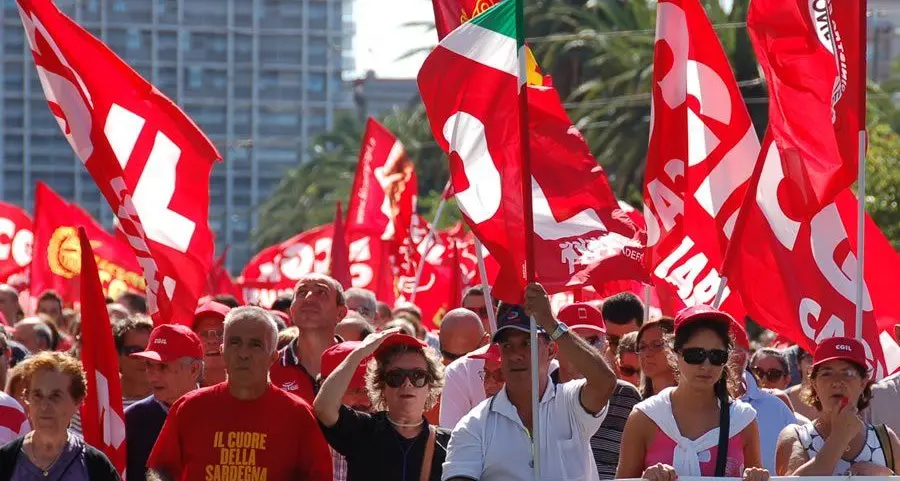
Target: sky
380	39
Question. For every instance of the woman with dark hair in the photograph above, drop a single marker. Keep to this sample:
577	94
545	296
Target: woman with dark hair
694	428
656	371
395	442
838	442
770	369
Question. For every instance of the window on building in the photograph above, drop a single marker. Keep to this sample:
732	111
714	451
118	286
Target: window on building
282	14
205	47
205	13
243	48
167	81
315	82
13	41
13	76
167	11
280	49
167	45
13	116
210	118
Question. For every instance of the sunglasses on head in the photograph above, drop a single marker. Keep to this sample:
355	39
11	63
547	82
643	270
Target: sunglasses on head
396	377
629	371
696	356
770	375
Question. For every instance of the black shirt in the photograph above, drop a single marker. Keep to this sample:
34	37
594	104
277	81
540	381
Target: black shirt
375	451
143	422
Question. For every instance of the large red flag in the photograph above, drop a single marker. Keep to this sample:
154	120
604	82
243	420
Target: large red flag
149	160
102	414
383	197
816	89
798	277
275	269
340	254
16	238
702	151
56	261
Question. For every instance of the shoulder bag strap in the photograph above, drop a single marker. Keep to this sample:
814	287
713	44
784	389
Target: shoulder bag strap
886	447
429	454
722	452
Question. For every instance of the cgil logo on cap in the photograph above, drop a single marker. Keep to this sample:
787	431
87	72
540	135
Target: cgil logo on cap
843	347
159	341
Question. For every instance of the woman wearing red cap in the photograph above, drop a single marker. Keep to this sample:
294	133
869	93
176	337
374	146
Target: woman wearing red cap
677	431
396	442
838	442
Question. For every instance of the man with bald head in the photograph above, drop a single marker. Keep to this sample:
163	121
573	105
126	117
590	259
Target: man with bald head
9	304
34	334
461	333
316	308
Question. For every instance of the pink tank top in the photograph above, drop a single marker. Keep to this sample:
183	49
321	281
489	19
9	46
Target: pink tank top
662	450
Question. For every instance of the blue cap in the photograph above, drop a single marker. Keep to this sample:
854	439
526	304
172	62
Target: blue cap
513	316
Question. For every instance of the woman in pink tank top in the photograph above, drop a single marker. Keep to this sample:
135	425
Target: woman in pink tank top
676	432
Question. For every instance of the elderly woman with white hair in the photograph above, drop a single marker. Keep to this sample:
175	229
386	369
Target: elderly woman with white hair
404	381
245	427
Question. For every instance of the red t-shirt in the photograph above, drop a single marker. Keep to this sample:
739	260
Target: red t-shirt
210	435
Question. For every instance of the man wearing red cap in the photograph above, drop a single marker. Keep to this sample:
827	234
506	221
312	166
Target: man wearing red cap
317	307
209	320
174	362
587	321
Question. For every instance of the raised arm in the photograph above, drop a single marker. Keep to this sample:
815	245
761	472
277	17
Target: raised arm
328	402
590	363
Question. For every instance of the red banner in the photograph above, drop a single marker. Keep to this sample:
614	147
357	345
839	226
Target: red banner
16	238
809	269
149	160
383	197
57	252
275	270
340	253
702	151
102	413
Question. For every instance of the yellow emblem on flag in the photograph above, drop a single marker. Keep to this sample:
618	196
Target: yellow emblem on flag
64	252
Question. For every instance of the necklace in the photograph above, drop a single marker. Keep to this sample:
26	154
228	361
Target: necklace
45	471
404	425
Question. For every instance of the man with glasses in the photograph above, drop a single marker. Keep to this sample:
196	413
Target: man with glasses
132	335
587	321
461	333
209	325
473	300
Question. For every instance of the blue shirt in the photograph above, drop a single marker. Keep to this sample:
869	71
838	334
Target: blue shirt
772	415
143	422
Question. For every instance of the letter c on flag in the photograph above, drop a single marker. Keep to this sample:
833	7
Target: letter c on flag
466	136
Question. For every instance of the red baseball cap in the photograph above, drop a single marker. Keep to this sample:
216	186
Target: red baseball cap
843	348
702	312
740	335
488	352
170	342
211	307
582	316
335	355
400	339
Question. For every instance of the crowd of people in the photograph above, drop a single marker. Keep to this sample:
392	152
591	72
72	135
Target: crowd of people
331	384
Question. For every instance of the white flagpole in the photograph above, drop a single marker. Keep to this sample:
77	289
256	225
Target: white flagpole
860	234
488	300
646	303
718	300
429	238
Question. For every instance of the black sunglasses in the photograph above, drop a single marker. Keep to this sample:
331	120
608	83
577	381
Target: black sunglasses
396	377
696	355
771	375
629	371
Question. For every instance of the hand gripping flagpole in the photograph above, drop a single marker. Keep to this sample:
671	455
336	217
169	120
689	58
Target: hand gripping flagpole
485	287
528	213
428	240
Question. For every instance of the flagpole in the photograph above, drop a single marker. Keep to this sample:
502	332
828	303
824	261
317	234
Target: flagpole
428	238
525	150
485	287
862	42
646	303
719	292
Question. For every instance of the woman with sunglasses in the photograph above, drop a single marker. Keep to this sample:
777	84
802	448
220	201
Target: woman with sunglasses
656	371
396	442
838	442
677	432
770	368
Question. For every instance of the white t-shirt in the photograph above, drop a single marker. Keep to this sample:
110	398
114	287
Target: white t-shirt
491	443
463	390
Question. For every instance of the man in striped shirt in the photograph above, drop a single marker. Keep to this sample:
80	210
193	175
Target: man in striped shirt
587	321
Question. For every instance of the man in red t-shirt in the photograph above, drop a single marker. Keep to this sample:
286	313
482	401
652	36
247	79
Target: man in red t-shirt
243	428
317	307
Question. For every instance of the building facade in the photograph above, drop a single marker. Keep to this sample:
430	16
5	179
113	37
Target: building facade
260	77
883	38
375	97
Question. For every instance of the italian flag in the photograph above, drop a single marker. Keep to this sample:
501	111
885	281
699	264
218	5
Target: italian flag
470	86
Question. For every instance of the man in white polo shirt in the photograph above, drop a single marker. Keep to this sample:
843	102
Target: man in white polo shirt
493	441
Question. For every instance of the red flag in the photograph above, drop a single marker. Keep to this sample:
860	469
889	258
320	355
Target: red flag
702	151
383	197
340	255
798	277
804	61
56	260
102	414
275	269
149	160
16	238
220	281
